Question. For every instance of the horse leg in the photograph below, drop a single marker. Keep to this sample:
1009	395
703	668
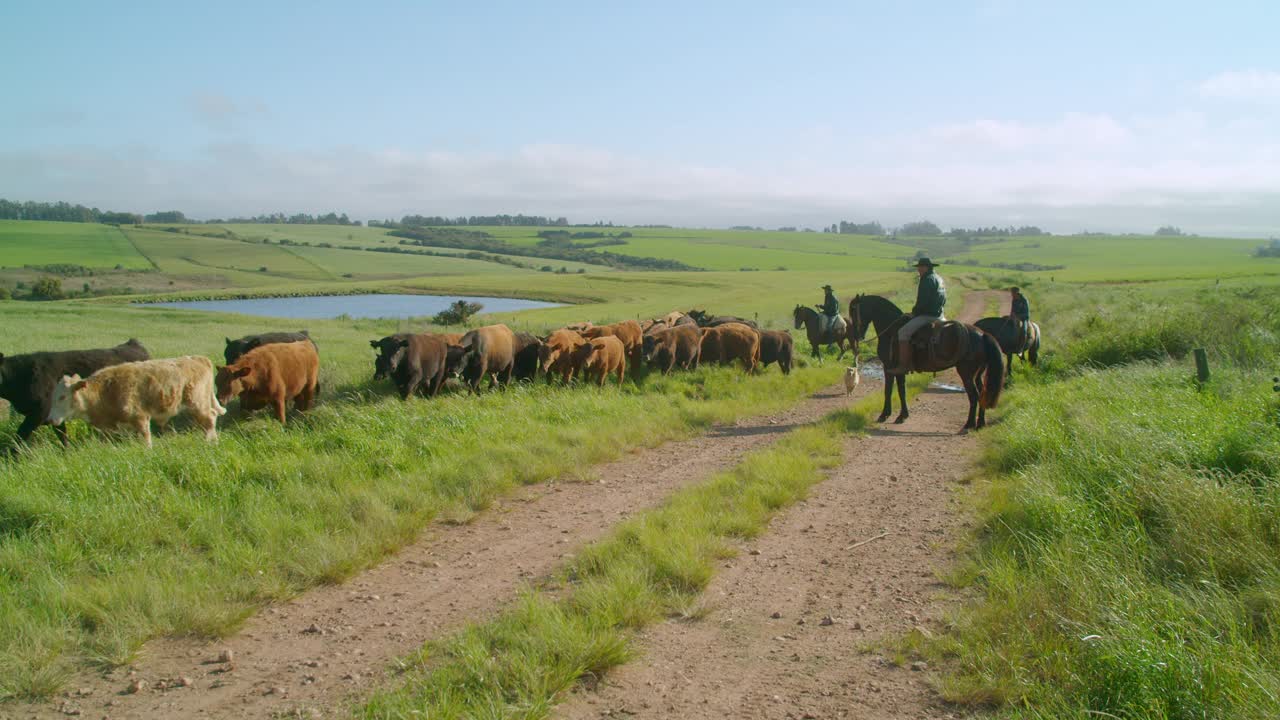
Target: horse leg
888	399
980	384
840	344
902	400
970	389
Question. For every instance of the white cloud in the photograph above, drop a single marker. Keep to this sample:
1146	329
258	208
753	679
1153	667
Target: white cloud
1245	85
1079	170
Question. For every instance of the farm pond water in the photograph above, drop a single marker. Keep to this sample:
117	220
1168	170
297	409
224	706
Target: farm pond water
320	307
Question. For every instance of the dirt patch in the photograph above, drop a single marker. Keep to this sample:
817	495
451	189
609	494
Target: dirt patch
332	645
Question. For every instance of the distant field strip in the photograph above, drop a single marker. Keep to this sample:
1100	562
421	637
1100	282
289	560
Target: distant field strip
47	243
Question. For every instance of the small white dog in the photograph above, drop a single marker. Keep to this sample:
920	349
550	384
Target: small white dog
851	379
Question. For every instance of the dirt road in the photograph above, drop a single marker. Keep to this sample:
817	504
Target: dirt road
850	568
319	653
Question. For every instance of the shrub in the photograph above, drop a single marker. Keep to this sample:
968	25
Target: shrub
457	314
47	288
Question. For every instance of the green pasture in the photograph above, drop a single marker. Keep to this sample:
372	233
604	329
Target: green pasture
1125	561
92	245
1127	258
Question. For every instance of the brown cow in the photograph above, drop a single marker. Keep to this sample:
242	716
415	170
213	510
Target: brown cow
776	346
557	354
488	351
133	394
422	364
732	341
680	345
601	356
629	332
272	374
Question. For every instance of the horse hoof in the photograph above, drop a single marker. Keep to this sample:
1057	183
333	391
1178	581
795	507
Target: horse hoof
900	419
882	418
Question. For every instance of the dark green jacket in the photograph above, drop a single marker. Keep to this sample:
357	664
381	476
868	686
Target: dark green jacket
931	295
830	305
1021	309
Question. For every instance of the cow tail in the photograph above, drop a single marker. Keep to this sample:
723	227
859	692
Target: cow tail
995	371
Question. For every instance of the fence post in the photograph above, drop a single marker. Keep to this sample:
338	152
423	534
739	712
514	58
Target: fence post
1202	365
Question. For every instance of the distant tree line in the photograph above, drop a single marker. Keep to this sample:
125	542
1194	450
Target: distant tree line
64	212
412	221
483	242
848	228
282	219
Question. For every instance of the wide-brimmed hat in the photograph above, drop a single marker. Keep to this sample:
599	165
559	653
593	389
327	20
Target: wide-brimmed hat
826	287
924	261
1015	289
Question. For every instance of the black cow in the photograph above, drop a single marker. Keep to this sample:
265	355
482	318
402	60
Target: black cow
776	346
27	381
236	348
528	346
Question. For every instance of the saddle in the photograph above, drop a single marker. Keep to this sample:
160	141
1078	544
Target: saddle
832	326
939	345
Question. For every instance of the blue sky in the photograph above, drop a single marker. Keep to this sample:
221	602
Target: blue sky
1072	115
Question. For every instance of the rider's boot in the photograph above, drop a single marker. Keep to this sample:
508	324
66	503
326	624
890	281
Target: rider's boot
904	359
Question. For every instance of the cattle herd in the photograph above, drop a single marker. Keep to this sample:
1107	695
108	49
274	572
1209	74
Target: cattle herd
123	388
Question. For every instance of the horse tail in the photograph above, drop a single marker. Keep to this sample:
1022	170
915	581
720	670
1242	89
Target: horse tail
995	371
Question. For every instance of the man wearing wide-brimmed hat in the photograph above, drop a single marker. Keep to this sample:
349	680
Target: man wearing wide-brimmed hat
931	297
1020	316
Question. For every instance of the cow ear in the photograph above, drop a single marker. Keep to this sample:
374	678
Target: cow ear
242	372
404	342
373	344
227	339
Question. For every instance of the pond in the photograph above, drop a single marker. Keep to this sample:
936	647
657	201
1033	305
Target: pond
319	307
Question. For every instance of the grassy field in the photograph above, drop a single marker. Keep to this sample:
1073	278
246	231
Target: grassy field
1126	563
1082	494
47	243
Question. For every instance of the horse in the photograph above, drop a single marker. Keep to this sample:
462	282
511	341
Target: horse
981	352
1003	330
809	319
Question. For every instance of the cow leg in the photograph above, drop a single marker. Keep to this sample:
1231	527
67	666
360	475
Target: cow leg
31	422
209	422
438	382
411	386
278	402
143	425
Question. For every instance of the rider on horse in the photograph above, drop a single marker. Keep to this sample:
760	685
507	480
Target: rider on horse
931	297
830	308
1020	315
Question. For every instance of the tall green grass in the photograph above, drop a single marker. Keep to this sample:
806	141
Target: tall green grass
652	566
1128	561
107	545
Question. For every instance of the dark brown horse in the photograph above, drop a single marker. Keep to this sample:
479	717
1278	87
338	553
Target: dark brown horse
1024	345
809	319
981	352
